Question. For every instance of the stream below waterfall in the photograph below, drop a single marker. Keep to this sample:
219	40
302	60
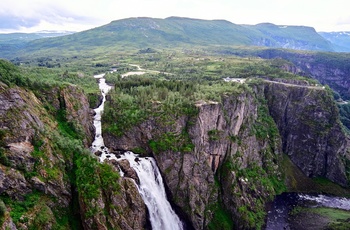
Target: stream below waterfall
151	187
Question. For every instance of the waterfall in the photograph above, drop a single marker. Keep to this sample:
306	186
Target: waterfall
98	143
153	193
151	187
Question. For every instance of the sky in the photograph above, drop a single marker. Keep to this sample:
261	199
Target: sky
78	15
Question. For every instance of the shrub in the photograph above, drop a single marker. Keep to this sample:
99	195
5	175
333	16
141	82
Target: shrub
2	209
221	219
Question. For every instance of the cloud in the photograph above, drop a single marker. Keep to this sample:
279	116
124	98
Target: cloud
8	23
78	15
343	21
28	16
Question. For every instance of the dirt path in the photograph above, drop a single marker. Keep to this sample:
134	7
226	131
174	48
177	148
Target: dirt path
141	71
295	85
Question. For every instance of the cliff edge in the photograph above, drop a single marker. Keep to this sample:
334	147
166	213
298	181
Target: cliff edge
224	161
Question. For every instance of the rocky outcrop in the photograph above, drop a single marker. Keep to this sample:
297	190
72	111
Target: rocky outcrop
311	132
13	183
127	169
130	211
115	204
26	166
35	158
70	104
43	138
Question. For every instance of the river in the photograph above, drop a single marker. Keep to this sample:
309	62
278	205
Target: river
151	187
278	210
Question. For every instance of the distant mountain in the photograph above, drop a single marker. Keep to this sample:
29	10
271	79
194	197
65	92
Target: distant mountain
340	40
15	41
290	37
18	38
176	31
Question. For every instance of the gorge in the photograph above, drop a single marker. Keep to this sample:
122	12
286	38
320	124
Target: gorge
148	179
221	157
236	163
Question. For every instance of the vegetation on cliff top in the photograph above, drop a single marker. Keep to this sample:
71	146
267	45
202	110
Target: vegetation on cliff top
185	77
182	81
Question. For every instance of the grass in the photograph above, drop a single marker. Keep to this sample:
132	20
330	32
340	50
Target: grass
325	218
221	220
3	210
331	213
298	182
19	208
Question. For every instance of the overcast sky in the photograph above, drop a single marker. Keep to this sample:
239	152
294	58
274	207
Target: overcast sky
77	15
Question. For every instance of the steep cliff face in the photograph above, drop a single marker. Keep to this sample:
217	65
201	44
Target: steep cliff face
220	163
69	103
311	133
32	168
223	162
43	140
108	201
328	69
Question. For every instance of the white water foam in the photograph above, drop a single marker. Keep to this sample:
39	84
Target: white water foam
104	88
327	201
152	190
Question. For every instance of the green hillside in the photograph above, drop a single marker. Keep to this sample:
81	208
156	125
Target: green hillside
291	37
12	42
173	32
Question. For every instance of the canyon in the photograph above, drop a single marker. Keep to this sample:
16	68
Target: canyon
223	162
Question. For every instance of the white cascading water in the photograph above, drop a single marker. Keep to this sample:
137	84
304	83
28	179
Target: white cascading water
151	187
98	142
152	190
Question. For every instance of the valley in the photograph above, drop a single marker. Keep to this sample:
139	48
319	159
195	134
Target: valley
225	125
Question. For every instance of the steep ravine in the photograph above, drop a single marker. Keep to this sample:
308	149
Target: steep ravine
142	171
220	165
234	167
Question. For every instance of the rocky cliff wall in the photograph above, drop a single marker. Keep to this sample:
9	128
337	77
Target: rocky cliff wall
30	167
106	200
224	162
44	138
312	136
220	163
70	104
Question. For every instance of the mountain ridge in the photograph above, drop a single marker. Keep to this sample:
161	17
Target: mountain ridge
174	31
341	40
